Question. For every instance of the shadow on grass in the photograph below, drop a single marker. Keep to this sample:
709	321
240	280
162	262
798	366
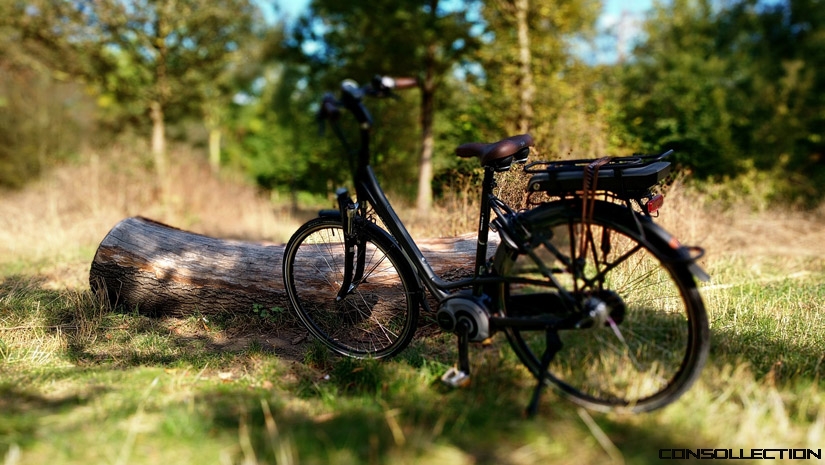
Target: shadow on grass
778	361
23	410
95	333
374	422
365	412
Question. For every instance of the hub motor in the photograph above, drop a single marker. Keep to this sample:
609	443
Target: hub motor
601	308
468	309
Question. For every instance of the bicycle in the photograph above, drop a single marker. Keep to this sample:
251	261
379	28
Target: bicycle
593	297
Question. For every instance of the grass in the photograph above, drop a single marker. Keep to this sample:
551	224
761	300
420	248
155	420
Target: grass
80	383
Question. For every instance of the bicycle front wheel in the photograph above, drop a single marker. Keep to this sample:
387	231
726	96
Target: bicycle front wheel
648	337
378	315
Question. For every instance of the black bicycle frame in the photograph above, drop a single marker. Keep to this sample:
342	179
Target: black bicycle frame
368	191
367	188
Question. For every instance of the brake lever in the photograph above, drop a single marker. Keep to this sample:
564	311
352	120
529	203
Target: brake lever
329	111
383	86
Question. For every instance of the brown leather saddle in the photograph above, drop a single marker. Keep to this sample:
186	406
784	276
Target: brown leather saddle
501	154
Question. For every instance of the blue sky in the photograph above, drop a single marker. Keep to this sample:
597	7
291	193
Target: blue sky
617	15
615	7
612	8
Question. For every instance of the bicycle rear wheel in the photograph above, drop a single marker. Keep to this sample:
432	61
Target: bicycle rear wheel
648	338
378	316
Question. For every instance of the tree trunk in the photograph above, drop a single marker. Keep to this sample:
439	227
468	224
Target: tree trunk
424	200
215	149
158	140
160	270
526	88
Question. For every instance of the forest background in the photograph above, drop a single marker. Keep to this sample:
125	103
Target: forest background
737	88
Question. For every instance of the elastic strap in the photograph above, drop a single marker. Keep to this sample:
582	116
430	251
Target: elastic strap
591	177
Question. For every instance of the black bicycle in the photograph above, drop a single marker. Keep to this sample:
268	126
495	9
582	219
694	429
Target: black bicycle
593	296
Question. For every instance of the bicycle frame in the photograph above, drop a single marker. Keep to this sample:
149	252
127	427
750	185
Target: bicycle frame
369	192
367	188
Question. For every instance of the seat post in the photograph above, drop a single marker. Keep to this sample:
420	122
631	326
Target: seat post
487	186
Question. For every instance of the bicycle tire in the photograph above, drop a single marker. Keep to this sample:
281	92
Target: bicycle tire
656	341
378	317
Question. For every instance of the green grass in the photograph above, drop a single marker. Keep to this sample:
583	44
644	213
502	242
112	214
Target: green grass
81	384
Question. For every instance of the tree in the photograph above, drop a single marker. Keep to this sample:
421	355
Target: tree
679	90
784	44
426	39
43	118
145	58
531	80
733	87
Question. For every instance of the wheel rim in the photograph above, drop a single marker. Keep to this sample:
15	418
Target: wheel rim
644	354
374	319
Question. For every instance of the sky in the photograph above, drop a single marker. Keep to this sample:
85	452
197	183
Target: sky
619	15
612	8
623	19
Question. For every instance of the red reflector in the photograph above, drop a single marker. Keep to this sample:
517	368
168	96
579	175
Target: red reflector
655	203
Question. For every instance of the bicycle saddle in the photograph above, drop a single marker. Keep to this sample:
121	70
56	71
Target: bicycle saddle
496	153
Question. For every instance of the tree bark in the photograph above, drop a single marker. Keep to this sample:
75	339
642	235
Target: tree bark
159	140
215	149
526	88
159	270
424	200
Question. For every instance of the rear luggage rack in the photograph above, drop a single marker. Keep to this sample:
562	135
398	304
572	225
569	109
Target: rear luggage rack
621	175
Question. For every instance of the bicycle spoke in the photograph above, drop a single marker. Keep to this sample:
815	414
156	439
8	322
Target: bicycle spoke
639	350
377	315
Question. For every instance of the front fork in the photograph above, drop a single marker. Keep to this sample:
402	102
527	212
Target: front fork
354	250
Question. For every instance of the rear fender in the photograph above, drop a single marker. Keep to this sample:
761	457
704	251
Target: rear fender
630	221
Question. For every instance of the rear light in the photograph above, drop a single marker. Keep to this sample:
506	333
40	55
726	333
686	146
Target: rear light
655	203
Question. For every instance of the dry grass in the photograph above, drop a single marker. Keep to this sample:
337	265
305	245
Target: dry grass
57	222
743	243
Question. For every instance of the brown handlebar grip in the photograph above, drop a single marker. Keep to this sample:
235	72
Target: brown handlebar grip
405	82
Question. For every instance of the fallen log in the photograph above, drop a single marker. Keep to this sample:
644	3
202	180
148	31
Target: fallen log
159	270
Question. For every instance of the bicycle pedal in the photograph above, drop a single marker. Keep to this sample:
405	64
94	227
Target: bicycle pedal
455	378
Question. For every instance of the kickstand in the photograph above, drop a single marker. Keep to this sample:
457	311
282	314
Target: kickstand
460	376
553	346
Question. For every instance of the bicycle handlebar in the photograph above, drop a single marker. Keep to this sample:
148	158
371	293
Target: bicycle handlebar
352	96
399	83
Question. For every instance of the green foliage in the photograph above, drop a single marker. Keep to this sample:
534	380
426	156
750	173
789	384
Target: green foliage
731	88
272	315
359	39
43	118
561	81
42	121
680	93
146	61
276	140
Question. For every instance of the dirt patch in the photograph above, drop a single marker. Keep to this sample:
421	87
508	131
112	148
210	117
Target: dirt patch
287	341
